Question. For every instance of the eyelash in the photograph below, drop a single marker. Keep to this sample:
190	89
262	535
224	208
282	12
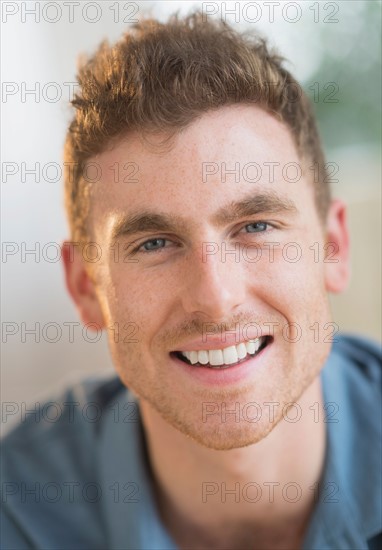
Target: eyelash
137	248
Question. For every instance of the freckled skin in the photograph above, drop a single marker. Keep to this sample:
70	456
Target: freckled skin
170	293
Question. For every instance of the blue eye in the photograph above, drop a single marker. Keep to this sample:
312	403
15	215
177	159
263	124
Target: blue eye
153	245
256	227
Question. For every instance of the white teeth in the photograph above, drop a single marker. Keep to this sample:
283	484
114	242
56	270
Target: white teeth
251	347
225	356
241	350
203	357
230	355
216	357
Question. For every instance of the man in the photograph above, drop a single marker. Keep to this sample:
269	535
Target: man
239	418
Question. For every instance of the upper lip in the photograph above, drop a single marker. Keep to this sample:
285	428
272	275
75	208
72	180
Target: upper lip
219	341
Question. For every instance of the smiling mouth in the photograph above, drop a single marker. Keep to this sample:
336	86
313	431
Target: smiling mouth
224	358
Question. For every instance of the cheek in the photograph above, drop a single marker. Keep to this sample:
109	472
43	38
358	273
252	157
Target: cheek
140	298
289	281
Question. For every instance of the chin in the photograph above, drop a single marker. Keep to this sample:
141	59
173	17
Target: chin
225	436
229	441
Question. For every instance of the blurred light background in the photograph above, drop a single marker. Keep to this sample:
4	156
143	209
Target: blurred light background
332	42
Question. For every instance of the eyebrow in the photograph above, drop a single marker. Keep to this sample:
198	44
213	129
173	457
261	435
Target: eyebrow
145	222
264	203
149	221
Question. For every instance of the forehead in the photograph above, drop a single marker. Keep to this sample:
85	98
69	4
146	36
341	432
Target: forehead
224	134
222	155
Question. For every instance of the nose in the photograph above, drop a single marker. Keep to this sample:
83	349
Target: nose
214	286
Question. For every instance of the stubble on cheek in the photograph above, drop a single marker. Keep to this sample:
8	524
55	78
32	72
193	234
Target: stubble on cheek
182	407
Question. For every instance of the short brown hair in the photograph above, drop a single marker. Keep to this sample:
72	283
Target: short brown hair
160	77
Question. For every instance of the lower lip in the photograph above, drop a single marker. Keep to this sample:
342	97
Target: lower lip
226	376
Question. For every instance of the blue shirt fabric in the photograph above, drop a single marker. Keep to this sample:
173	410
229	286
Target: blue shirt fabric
76	475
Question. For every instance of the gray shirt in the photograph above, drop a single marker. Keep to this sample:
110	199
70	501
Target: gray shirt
76	474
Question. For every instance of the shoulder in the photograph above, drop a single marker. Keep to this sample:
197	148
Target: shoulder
352	380
358	348
49	467
353	389
70	421
360	358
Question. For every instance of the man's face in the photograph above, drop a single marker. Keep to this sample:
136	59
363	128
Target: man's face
215	275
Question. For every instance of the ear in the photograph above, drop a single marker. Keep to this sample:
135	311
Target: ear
81	286
336	262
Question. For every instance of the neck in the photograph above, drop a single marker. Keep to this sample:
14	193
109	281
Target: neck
267	484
